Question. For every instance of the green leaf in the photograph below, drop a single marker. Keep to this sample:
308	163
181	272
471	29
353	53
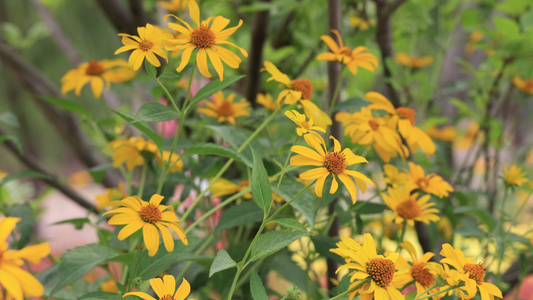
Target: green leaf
143	127
78	222
78	261
150	69
323	244
22	174
221	262
526	20
507	27
305	203
245	213
215	149
261	189
236	137
66	104
26	226
470	18
291	224
365	208
410	296
293	293
14	139
156	112
98	172
274	241
99	295
213	87
170	75
483	216
9	118
256	287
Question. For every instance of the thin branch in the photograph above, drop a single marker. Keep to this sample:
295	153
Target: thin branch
139	14
283	36
119	15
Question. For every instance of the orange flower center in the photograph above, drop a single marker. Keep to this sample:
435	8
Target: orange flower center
94	68
381	271
150	214
422	275
305	86
305	125
373	124
528	85
226	109
167	297
422	183
407	113
146	45
346	52
335	162
203	37
476	272
408	209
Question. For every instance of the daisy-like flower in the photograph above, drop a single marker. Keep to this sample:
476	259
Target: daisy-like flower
525	85
408	207
431	183
381	273
297	91
413	62
358	57
131	152
267	101
445	134
152	40
303	125
361	23
333	163
514	176
173	5
206	38
224	109
151	217
111	194
176	164
472	274
18	283
98	73
224	187
394	177
165	289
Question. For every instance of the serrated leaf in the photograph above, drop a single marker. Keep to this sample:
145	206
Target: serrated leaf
156	112
143	127
22	174
261	189
78	222
213	87
305	203
221	262
274	241
216	149
256	287
26	226
245	213
9	118
78	261
291	224
67	105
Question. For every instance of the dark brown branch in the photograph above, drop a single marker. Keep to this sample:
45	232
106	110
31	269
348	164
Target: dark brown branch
310	57
38	86
51	179
282	38
259	34
119	15
139	14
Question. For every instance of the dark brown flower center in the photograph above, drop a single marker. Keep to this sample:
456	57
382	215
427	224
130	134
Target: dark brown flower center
408	209
476	272
150	214
373	124
305	86
167	297
407	113
94	68
226	109
335	162
421	275
381	271
146	45
346	51
203	37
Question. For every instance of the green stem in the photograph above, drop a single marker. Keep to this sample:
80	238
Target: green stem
439	292
132	268
200	250
404	229
339	296
228	163
143	178
168	94
290	201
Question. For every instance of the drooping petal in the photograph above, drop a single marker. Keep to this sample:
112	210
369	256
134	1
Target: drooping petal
151	239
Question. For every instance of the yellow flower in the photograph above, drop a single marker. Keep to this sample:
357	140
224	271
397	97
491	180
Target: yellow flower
165	289
297	90
414	61
408	207
206	37
431	184
18	283
446	133
472	274
109	286
471	136
393	177
111	194
381	273
525	85
361	23
98	73
224	109
150	216
223	187
151	41
303	125
176	164
329	163
131	151
358	57
514	175
267	101
174	5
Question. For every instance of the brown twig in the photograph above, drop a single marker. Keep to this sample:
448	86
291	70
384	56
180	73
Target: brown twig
119	15
139	14
283	36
